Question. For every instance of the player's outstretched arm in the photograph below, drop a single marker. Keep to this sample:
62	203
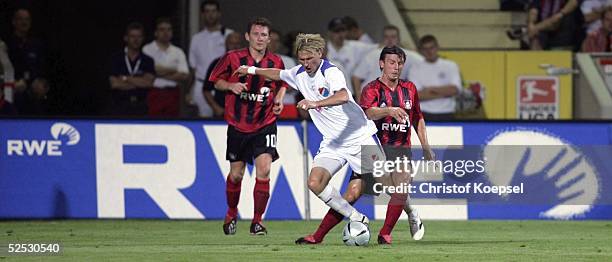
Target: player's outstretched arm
421	131
375	113
338	98
269	73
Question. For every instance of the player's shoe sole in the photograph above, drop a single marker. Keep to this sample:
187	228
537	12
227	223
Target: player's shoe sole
230	228
307	240
257	229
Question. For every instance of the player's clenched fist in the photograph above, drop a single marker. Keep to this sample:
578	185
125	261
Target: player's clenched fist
241	71
307	104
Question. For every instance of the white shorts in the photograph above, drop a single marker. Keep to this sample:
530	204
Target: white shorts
332	156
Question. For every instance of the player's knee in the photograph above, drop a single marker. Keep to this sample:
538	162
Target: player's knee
314	185
263	172
353	194
236	176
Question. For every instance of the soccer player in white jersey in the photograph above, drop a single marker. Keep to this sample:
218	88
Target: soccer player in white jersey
333	110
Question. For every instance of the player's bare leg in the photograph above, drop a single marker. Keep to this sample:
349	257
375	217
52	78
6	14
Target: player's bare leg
332	218
232	193
318	183
261	192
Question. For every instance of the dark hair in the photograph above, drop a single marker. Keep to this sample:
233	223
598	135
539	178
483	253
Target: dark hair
391	27
262	21
393	50
134	26
210	2
427	39
276	32
163	20
350	22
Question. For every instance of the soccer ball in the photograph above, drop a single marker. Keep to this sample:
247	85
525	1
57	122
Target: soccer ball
356	234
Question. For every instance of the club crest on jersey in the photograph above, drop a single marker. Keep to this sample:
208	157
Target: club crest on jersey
407	105
324	91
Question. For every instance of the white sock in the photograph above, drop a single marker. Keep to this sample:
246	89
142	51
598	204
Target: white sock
334	200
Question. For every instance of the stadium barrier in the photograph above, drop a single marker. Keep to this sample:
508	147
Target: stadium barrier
74	168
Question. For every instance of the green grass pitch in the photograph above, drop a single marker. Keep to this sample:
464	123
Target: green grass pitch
136	240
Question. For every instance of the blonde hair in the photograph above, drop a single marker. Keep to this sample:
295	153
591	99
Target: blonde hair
309	42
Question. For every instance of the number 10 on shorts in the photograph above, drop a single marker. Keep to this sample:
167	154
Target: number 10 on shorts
271	140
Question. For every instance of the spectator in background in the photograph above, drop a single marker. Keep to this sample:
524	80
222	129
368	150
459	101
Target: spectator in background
553	24
132	74
216	98
6	108
354	32
592	10
27	54
290	41
345	53
276	45
289	101
437	80
369	70
7	73
205	47
171	69
599	40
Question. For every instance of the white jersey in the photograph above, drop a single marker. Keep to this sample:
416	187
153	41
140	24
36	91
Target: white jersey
368	70
173	58
349	56
439	73
342	124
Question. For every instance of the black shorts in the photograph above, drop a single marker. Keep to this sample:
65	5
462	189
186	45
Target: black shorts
391	153
247	146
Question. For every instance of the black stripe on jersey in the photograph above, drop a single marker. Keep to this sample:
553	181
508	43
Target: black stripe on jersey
262	111
406	96
238	103
253	89
395	103
383	97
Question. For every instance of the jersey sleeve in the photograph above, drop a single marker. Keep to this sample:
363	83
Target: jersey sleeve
290	76
455	76
369	97
280	84
335	79
192	53
417	114
182	63
223	70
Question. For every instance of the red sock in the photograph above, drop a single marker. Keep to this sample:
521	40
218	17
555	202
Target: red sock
261	194
331	219
232	192
394	210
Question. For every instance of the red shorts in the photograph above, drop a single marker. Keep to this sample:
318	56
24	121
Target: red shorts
163	102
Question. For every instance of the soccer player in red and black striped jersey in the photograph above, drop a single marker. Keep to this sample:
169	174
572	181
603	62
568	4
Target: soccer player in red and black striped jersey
251	106
393	104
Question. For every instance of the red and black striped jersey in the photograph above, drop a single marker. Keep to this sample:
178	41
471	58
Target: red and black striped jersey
252	109
377	94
